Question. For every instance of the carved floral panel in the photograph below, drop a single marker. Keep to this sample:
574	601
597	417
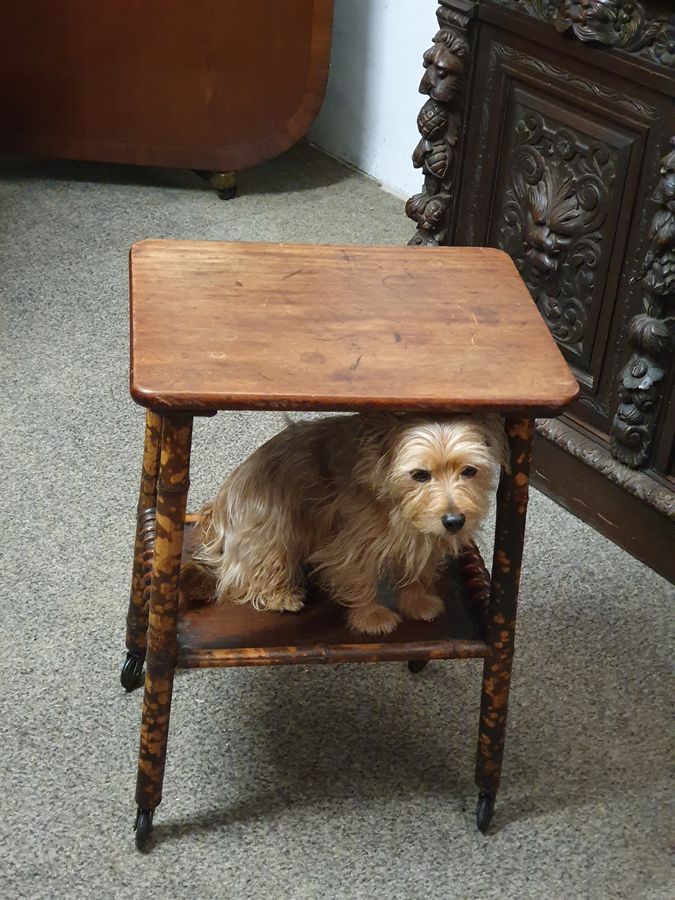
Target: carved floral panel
553	222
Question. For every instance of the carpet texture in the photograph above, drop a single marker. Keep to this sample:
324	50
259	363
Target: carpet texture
324	782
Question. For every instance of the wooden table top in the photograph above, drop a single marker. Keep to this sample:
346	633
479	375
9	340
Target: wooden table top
281	326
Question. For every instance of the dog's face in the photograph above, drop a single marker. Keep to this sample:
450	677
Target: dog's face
439	473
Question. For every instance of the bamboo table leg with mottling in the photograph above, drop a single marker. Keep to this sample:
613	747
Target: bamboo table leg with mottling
512	498
137	616
172	490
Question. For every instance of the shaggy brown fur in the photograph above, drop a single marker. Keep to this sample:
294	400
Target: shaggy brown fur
352	499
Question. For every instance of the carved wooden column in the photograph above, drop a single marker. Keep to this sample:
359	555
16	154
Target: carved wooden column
650	333
447	67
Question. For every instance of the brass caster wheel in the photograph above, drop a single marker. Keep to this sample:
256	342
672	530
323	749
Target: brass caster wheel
132	675
223	183
143	827
484	810
416	665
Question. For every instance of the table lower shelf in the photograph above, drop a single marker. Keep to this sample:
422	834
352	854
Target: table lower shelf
230	635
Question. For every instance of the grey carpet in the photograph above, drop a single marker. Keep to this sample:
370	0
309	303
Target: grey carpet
343	782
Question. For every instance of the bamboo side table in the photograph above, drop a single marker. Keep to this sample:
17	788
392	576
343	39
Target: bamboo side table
218	326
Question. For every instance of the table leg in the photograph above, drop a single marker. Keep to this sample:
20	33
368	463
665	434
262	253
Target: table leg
137	615
512	497
161	650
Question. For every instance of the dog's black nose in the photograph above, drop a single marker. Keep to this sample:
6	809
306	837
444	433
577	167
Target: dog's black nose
452	524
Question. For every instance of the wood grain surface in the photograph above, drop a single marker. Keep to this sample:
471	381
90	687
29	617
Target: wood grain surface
207	84
280	326
230	635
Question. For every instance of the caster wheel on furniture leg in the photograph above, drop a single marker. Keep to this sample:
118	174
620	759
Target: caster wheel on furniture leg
416	665
224	183
132	676
484	810
143	827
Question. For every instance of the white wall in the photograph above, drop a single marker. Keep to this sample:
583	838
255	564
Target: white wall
369	116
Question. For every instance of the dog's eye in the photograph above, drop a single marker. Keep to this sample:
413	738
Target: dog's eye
420	475
468	472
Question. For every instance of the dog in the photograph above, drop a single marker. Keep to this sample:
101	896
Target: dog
350	500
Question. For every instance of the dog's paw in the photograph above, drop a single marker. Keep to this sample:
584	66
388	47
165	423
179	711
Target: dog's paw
285	601
418	604
373	619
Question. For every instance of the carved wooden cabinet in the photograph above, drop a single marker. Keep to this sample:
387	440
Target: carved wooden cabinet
548	131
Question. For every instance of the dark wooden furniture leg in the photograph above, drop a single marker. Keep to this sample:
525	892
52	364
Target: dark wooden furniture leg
137	616
161	637
508	551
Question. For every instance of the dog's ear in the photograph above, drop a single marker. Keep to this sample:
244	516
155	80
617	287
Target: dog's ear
492	426
376	436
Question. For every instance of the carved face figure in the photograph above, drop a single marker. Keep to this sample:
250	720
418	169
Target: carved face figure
443	70
639	397
631	430
634	403
549	207
543	246
554	207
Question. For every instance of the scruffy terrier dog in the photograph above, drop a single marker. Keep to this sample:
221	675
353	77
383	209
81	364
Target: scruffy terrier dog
351	500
